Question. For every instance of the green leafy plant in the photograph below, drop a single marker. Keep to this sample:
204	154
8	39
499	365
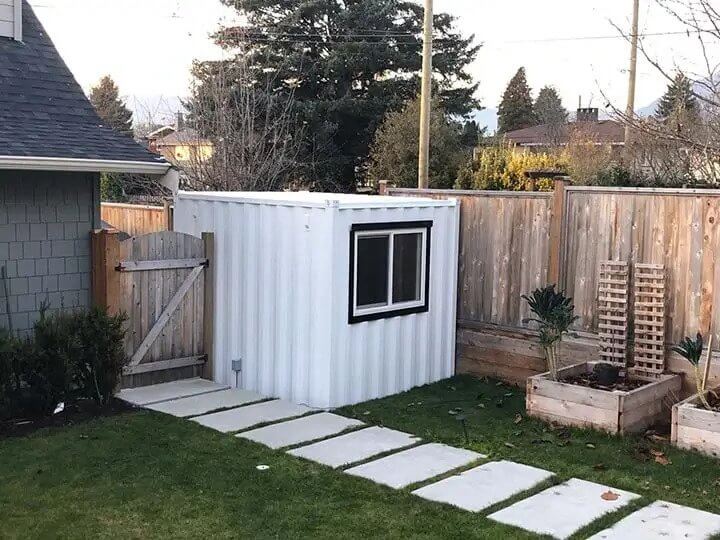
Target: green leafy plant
691	349
554	314
97	367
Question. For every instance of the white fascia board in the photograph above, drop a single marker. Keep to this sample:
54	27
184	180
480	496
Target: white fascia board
82	165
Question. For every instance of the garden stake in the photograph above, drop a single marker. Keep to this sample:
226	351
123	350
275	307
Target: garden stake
708	361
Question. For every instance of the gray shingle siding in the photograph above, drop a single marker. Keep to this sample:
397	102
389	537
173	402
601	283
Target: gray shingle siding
45	243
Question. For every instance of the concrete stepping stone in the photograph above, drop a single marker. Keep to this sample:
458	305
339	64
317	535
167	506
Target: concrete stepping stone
353	447
415	465
484	486
663	521
300	430
562	510
251	415
205	403
156	393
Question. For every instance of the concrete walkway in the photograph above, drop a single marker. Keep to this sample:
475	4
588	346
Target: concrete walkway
435	472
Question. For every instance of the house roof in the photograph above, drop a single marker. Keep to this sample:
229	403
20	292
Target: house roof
602	131
46	121
185	136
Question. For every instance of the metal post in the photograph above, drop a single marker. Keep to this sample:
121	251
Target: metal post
426	98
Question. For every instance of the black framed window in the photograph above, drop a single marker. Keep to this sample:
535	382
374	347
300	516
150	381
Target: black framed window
389	269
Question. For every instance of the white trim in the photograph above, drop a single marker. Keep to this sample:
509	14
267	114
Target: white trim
18	21
389	304
81	165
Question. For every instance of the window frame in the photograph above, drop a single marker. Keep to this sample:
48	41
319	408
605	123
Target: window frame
391	309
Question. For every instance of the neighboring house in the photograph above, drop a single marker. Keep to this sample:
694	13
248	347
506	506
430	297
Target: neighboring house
587	127
53	148
179	144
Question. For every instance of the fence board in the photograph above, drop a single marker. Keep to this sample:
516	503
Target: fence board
135	219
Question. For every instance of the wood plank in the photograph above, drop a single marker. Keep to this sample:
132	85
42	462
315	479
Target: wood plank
577	394
166	315
208	306
160	365
166	264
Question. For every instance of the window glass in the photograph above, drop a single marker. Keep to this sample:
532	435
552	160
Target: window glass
372	270
407	267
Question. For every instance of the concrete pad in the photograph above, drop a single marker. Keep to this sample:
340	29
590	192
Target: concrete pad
484	486
354	447
415	465
292	432
205	403
663	520
251	415
147	395
562	510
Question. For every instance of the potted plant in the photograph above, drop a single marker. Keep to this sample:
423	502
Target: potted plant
554	313
696	421
589	394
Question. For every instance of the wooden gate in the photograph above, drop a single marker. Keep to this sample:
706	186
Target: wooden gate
163	282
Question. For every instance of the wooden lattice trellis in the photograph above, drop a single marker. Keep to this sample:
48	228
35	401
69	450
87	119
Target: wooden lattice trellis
649	321
613	291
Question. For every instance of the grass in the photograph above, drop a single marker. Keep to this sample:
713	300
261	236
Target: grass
146	475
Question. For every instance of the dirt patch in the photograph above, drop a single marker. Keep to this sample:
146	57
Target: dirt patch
589	380
76	413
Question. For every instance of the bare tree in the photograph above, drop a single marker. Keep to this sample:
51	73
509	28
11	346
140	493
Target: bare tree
684	148
249	125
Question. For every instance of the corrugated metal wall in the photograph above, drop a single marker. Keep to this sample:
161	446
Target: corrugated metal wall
379	358
281	302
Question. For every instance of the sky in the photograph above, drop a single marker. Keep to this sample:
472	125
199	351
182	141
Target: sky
148	46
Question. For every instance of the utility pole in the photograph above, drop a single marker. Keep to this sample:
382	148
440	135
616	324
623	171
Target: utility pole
426	98
630	111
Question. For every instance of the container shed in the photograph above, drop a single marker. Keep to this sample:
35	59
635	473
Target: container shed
327	299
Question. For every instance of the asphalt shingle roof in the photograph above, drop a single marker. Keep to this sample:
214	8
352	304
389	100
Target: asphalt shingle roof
43	110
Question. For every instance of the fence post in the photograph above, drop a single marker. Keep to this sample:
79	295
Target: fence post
383	187
557	218
105	280
168	210
209	305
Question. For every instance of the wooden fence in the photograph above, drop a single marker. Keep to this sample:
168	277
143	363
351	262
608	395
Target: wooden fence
163	282
136	219
512	243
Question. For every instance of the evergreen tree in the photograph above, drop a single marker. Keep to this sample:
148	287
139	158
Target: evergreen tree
346	65
111	109
548	107
678	99
394	153
516	108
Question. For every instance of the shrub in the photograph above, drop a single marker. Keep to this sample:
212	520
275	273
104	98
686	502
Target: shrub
47	365
503	168
68	356
98	365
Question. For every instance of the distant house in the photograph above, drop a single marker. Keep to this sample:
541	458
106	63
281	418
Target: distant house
587	127
179	144
53	148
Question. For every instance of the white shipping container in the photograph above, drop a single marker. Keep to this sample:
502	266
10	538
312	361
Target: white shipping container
327	299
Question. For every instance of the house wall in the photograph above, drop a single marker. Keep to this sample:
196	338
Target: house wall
45	224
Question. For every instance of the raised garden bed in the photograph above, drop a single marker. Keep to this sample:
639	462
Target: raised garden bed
696	428
615	411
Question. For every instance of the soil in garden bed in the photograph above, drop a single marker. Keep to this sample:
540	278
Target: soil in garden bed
75	413
589	380
714	401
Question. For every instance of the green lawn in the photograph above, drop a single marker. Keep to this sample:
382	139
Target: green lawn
146	475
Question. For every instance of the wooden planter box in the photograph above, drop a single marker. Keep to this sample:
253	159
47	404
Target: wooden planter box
612	411
696	428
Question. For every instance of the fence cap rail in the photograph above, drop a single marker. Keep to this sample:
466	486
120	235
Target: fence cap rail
471	193
687	192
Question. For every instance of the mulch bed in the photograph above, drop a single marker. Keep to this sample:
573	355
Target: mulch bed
75	413
589	380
